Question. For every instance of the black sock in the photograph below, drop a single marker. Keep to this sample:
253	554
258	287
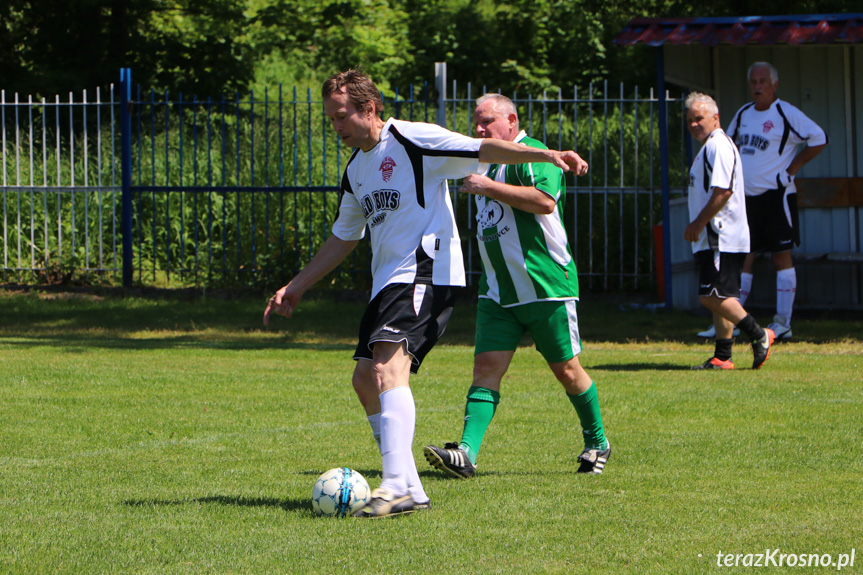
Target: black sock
752	330
723	348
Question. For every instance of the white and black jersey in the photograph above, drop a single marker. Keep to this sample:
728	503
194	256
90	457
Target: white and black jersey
717	165
399	190
768	142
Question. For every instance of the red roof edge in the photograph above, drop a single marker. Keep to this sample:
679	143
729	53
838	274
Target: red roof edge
747	30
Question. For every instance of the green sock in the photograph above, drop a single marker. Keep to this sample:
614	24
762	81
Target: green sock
587	407
478	413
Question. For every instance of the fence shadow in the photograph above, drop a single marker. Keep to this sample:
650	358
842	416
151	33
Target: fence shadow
82	344
640	367
330	321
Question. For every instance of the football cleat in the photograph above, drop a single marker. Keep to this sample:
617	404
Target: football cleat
710	332
452	460
384	503
761	348
781	328
593	460
716	363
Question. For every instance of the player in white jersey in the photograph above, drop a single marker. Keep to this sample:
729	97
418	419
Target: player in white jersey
775	140
529	284
395	184
719	233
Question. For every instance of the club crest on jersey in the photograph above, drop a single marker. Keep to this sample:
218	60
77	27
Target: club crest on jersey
490	215
488	220
387	168
768	125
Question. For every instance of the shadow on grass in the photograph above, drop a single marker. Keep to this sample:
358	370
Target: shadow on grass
237	501
81	344
641	367
236	323
290	504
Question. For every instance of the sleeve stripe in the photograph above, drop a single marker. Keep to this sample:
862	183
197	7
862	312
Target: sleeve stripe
429	152
414	152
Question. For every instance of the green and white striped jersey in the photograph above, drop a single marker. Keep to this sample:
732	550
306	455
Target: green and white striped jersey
525	257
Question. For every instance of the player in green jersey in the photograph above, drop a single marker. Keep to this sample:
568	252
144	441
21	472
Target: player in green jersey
529	284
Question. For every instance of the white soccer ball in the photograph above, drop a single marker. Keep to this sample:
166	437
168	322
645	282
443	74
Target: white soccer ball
340	492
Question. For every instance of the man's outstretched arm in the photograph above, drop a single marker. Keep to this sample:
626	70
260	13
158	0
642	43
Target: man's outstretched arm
494	151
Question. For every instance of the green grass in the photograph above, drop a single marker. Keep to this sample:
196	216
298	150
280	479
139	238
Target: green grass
176	435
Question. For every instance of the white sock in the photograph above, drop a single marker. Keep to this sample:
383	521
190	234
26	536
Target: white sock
415	486
398	424
786	289
745	287
375	422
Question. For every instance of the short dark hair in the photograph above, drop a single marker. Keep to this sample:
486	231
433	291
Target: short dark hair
359	88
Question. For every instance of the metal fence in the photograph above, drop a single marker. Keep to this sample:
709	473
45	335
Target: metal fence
242	191
59	183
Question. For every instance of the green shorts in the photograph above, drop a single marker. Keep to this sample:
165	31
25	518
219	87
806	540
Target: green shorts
552	324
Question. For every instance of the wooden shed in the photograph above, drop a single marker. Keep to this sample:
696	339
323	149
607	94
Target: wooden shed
820	64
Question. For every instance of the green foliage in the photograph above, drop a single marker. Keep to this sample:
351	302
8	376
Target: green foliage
241	191
57	46
279	145
207	47
610	212
205	230
62	235
319	38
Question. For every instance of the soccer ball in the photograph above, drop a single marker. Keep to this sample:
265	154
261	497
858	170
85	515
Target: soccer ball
340	492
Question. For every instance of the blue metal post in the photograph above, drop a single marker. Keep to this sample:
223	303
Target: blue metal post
126	168
663	154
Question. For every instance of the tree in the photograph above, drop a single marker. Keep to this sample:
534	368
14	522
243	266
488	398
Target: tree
56	46
306	41
207	47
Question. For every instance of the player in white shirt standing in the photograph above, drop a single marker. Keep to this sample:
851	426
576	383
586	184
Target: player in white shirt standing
395	184
775	140
719	233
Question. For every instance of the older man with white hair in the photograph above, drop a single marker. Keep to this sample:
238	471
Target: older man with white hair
529	284
775	140
719	233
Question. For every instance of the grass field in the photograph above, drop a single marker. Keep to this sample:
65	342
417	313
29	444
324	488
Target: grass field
176	435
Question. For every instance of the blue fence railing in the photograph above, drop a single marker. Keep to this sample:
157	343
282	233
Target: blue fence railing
134	187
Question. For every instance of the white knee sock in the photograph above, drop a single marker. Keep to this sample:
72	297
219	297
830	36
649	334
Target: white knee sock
375	422
415	486
786	289
745	287
398	423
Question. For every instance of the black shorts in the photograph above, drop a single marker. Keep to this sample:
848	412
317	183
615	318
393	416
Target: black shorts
416	314
719	273
773	220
